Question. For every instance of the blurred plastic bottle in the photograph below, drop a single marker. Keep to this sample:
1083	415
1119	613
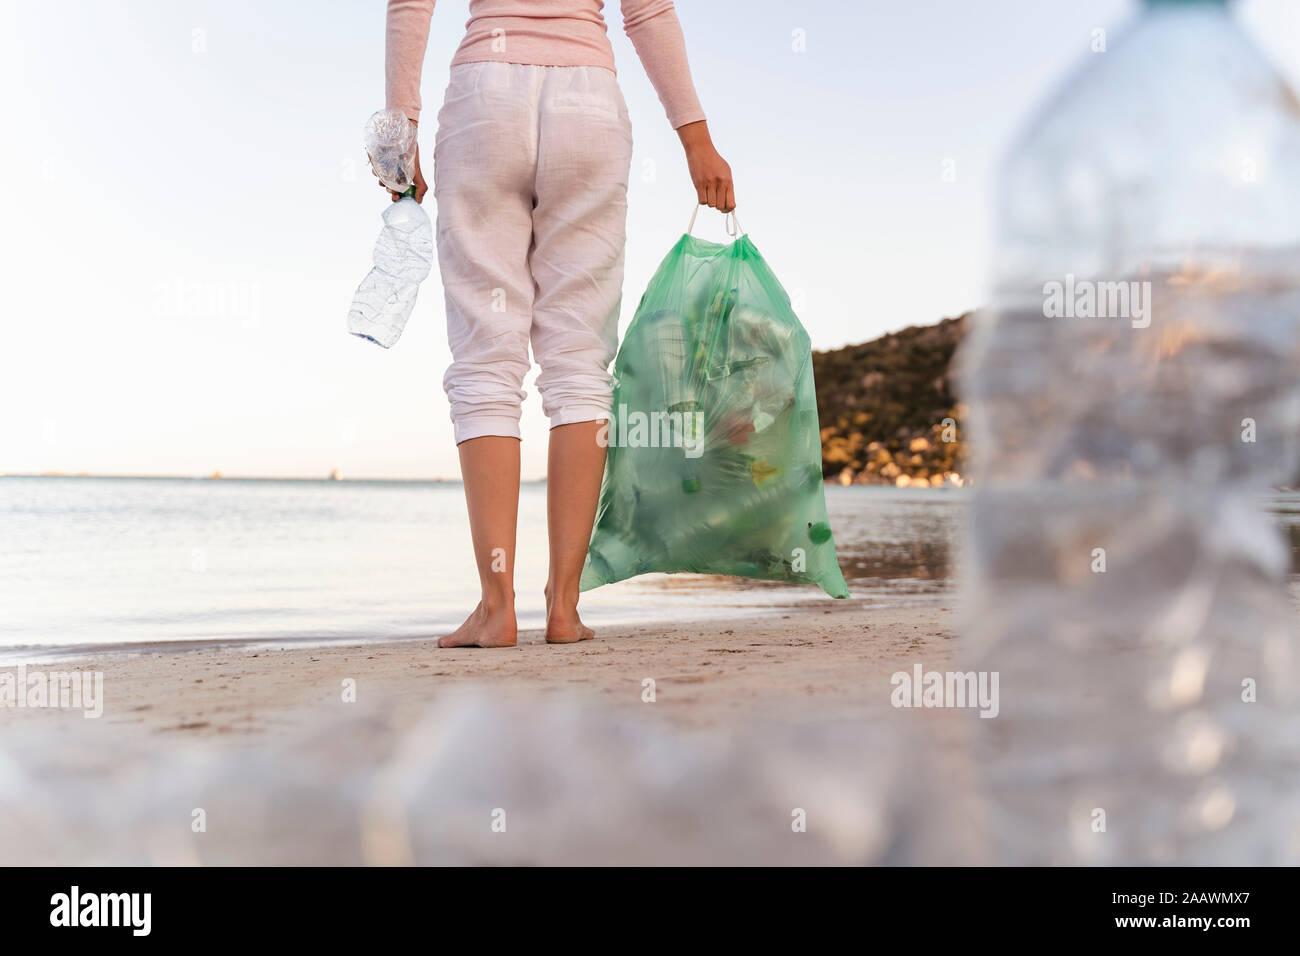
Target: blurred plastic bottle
1136	392
404	251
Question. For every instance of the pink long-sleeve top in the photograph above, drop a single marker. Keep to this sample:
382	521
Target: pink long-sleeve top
545	33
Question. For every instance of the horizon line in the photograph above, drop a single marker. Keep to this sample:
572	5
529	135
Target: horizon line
440	479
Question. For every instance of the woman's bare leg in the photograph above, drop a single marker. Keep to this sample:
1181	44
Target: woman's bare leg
575	464
489	467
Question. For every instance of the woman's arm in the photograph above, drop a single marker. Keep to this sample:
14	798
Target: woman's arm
407	38
709	171
655	31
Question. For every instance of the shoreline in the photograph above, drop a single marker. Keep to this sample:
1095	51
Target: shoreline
718	669
15	654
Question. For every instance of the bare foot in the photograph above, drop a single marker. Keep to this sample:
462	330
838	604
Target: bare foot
567	630
563	626
484	629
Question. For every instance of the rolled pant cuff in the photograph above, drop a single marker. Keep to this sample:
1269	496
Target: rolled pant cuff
572	414
482	426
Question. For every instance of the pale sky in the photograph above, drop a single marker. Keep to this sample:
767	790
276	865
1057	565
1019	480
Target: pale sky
186	209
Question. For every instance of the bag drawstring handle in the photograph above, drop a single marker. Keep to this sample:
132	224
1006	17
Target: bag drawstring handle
731	222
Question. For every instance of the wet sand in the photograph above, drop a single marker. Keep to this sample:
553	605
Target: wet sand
817	661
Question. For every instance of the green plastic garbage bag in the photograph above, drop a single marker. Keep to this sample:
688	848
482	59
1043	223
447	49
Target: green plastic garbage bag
714	450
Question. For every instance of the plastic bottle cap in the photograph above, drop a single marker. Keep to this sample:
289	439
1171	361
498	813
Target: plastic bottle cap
690	485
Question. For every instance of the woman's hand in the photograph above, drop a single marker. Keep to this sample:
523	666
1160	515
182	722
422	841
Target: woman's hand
709	171
421	187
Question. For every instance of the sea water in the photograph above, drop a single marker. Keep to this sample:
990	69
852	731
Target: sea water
129	560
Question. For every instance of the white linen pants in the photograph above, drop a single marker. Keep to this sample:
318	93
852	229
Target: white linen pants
530	175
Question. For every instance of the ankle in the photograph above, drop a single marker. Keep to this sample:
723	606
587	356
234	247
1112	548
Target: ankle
498	603
561	601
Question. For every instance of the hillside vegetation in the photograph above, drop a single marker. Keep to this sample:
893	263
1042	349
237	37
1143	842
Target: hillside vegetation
888	409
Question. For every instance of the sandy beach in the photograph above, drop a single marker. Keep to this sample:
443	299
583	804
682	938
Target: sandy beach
831	661
652	744
768	739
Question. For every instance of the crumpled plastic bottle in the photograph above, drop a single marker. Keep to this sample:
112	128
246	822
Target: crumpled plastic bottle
1136	387
403	253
